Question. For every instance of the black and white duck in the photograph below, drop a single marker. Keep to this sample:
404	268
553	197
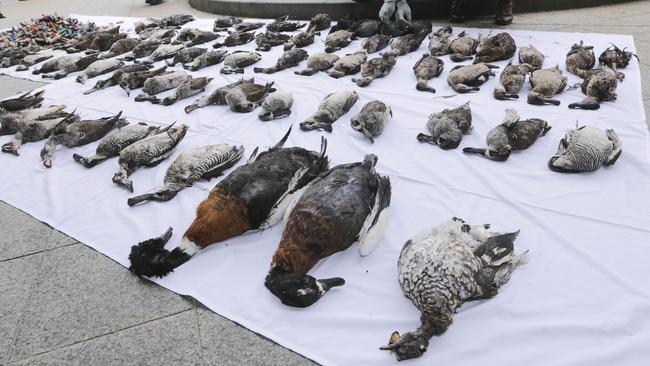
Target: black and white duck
586	149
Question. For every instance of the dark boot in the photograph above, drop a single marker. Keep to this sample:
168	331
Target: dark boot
504	13
457	11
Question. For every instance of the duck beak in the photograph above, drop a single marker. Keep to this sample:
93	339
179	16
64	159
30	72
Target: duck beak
328	283
190	108
392	342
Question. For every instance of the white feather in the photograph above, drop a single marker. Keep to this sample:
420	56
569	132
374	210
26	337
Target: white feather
295	197
277	211
371	238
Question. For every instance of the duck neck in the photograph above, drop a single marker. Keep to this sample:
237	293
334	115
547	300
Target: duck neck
433	325
291	260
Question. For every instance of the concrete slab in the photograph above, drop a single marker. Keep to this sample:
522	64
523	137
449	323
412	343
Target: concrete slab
22	234
12	85
82	295
168	341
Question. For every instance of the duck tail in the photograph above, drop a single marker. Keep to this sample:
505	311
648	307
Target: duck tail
375	225
505	270
150	258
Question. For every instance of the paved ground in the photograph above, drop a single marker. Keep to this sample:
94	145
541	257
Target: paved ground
63	303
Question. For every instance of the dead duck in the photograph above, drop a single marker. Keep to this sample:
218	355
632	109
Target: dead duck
531	56
512	79
318	62
276	105
468	78
235	39
444	267
448	127
218	97
288	59
162	36
302	39
24	101
512	134
348	22
348	64
440	41
463	47
158	84
113	143
408	43
248	26
206	59
283	24
616	58
320	22
80	133
598	85
205	162
174	20
135	80
240	202
56	64
367	28
99	67
223	22
546	83
375	68
85	42
115	78
31	60
39	129
13	122
267	40
104	41
496	48
330	109
191	37
163	52
375	43
348	203
427	68
397	28
143	49
12	57
120	47
79	64
372	119
238	60
245	97
586	149
148	152
580	59
186	89
186	55
338	40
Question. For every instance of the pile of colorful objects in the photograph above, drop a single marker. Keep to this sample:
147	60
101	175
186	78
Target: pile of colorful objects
47	31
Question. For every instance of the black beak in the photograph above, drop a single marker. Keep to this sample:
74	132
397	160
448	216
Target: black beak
328	283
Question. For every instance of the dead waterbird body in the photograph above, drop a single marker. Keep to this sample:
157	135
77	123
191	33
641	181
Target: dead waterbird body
223	22
31	60
531	56
338	40
238	60
137	79
235	39
372	119
448	127
375	43
71	66
13	122
186	89
318	62
586	149
546	84
206	59
427	68
408	43
120	47
464	79
580	59
376	68
330	109
218	97
191	37
320	22
186	55
283	24
440	41
39	129
598	85
115	78
161	83
245	97
463	47
143	49
276	105
25	101
616	58
512	79
288	59
348	64
496	48
302	39
99	67
267	40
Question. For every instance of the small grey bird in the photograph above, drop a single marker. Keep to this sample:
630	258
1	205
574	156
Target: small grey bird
439	41
187	89
143	49
448	127
375	68
267	40
111	145
302	39
580	59
161	83
598	85
496	48
186	55
338	40
546	84
236	61
586	149
39	129
99	67
218	97
372	119
115	78
245	97
276	105
147	152
206	59
512	79
31	60
288	59
375	43
318	62
193	37
330	109
120	47
468	78
348	64
205	162
427	68
223	22
135	80
531	56
13	122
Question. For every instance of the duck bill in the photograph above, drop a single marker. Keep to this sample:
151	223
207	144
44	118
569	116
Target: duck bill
160	196
12	147
191	108
306	126
328	283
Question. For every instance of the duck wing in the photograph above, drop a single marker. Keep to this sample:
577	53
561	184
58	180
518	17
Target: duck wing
375	225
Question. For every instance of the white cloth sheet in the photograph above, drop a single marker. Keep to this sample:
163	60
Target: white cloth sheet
583	299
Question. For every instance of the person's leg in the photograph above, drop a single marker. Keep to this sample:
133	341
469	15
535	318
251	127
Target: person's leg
504	13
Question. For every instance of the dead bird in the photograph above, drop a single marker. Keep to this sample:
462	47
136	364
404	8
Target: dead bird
174	20
206	59
248	26
61	67
586	149
302	39
187	89
162	36
440	41
120	47
163	52
348	64
397	28
288	59
320	22
427	68
13	122
512	79
143	49
546	83
580	59
598	85
463	47
467	78
376	68
444	267
408	43
348	203
531	56
12	57
372	119
348	22
243	200
616	58
158	84
236	61
267	40
116	141
512	134
448	127
318	62
84	42
367	28
31	60
338	40
148	152
39	129
375	43
223	22
282	24
134	80
276	105
218	97
56	64
330	109
205	162
191	37
245	97
99	67
24	101
235	39
80	133
103	42
186	55
496	48
115	78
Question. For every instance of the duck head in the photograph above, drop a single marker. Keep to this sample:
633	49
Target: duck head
450	139
298	289
410	345
150	258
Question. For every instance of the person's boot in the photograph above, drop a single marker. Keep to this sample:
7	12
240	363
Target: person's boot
504	13
153	2
456	13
